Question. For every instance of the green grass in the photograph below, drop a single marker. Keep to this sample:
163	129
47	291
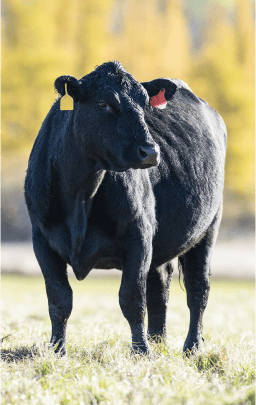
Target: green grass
100	369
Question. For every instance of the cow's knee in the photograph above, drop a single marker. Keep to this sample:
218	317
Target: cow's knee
132	300
60	298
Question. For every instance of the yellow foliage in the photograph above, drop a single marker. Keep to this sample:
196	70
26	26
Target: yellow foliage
175	50
224	77
44	39
154	43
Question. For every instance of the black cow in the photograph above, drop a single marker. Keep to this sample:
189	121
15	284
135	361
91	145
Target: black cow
117	183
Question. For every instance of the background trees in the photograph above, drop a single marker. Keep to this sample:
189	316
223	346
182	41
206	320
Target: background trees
209	45
223	75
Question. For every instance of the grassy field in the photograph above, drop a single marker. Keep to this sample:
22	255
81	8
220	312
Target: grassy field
99	368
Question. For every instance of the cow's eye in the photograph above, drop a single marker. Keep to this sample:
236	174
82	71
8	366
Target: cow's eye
102	105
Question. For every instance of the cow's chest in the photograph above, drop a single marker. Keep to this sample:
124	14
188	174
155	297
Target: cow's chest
96	249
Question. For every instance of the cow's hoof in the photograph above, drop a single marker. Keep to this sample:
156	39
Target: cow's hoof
190	349
58	348
142	350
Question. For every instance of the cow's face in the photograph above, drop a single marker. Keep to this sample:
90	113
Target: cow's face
109	124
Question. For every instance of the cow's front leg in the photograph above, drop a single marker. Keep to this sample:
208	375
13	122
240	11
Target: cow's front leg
58	289
137	254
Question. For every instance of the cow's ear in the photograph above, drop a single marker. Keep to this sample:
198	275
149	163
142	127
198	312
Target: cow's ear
73	86
155	86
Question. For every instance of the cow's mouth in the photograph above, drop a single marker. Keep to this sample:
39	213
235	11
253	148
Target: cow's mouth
144	166
115	168
105	165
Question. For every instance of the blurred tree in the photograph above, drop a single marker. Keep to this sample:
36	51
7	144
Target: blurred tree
41	41
137	41
30	66
44	39
153	41
175	48
224	76
93	36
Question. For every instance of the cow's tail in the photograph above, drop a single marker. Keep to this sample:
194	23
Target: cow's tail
180	268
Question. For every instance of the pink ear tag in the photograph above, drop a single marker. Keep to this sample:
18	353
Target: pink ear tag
159	100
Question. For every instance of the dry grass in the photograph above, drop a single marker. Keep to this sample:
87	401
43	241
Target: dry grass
99	368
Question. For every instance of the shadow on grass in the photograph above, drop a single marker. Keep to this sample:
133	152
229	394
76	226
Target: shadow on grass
19	354
215	362
101	352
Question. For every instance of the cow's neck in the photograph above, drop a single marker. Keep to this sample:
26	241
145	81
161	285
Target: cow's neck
79	173
85	182
79	188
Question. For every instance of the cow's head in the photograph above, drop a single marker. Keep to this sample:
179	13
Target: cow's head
109	124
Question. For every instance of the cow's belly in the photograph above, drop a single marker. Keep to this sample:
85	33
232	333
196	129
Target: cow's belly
108	264
181	225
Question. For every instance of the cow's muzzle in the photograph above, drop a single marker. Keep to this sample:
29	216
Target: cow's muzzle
148	155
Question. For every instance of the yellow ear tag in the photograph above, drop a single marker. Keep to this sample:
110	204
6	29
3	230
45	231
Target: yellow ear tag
66	101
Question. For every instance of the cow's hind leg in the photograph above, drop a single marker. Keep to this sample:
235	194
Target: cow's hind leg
195	265
58	289
158	284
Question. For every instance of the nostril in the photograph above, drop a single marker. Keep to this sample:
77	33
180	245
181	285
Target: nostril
143	153
148	155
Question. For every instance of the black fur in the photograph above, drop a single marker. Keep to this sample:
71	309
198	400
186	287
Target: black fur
101	194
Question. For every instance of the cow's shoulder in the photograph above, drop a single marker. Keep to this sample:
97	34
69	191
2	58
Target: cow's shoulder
45	152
